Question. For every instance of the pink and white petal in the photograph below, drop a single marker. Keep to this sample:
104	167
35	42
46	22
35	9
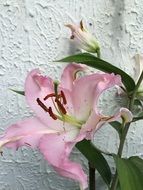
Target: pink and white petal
86	91
56	151
38	86
24	133
69	106
95	121
69	75
138	59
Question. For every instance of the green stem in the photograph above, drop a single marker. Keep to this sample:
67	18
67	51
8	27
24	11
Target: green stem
91	177
125	131
92	167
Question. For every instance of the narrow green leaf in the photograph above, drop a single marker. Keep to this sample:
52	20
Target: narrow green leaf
139	117
92	61
140	114
96	158
137	102
18	92
118	187
138	162
130	172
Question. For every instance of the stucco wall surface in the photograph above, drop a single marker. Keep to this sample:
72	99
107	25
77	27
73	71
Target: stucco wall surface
32	34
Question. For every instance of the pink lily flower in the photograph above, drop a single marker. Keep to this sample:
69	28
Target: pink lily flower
64	116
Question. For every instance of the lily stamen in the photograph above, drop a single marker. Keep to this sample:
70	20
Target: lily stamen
52	114
58	98
58	101
63	97
49	96
1	153
42	105
60	106
49	110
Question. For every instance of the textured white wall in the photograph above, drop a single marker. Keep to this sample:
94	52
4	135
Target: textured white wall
32	34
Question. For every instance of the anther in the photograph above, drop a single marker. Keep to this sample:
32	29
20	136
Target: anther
49	96
1	153
28	144
63	97
52	114
42	105
60	106
72	37
81	25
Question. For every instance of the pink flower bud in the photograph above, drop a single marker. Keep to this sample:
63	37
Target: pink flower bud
83	38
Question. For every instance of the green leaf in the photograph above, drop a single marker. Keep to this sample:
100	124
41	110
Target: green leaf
95	158
18	92
117	126
92	61
118	187
130	172
137	102
139	117
140	114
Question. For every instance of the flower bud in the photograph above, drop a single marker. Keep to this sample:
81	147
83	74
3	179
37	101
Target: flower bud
83	38
126	115
137	72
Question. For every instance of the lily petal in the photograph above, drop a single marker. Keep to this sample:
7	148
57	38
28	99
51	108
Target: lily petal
69	75
38	86
87	90
25	133
31	132
126	115
137	72
59	158
96	121
138	66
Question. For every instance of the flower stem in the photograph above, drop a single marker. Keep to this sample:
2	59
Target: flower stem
91	177
125	131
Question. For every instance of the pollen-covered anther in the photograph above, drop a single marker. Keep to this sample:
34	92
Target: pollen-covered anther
52	114
81	25
27	144
72	37
50	96
42	105
60	106
49	110
1	153
63	97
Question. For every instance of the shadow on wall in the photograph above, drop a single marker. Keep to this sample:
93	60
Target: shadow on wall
118	19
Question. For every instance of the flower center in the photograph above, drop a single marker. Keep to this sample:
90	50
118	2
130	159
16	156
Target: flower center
59	101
